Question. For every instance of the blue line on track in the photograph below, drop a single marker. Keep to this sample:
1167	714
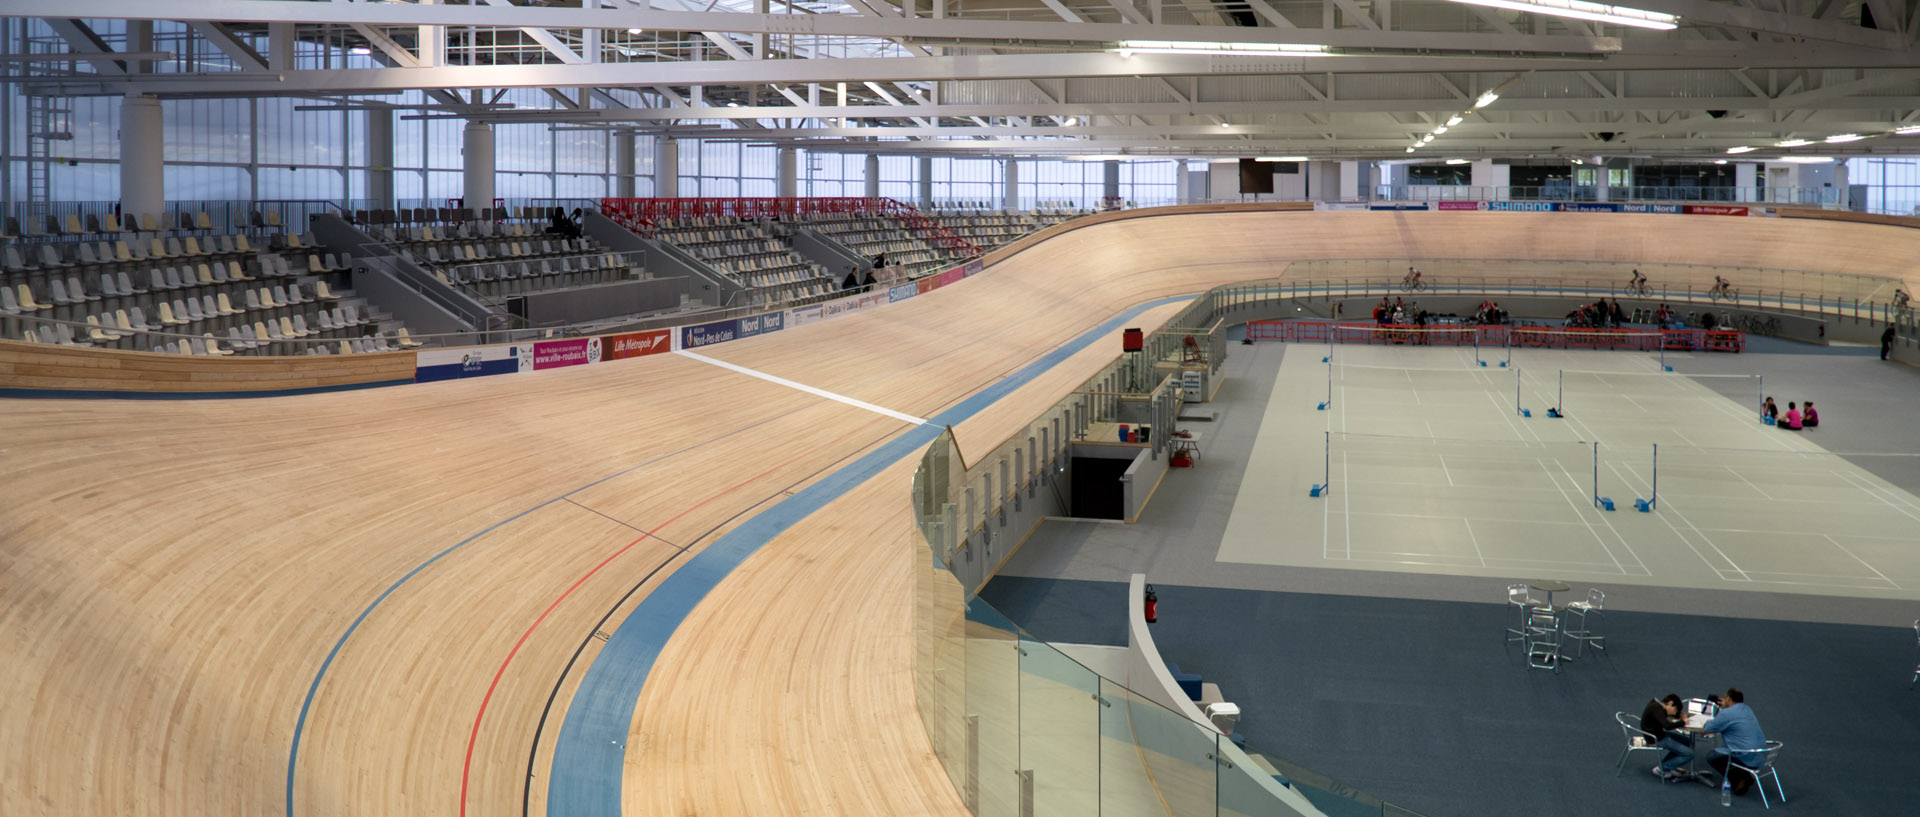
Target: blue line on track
590	752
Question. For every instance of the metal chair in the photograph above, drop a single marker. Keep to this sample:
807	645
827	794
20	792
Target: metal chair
1521	600
1758	763
1629	731
1543	638
1583	635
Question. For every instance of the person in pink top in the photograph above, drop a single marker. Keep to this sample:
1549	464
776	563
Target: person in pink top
1810	418
1792	421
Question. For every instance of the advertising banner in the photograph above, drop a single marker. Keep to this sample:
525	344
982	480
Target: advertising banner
1341	205
953	276
762	324
803	315
901	293
926	285
708	334
473	361
1399	205
1715	210
552	354
635	344
1589	207
974	267
1670	209
1461	205
1521	206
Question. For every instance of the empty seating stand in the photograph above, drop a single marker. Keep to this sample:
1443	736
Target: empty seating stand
491	257
773	273
872	235
177	283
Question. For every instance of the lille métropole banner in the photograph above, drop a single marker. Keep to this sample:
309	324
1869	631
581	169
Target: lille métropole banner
1715	210
472	361
552	354
636	344
1460	205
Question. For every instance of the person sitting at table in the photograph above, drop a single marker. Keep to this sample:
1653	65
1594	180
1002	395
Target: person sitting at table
1808	417
1662	720
1739	731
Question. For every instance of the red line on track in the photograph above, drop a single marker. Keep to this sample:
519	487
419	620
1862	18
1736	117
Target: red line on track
466	766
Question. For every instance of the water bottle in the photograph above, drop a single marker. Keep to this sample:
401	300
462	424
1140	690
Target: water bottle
1726	791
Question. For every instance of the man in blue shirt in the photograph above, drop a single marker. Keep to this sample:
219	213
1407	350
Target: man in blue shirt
1739	730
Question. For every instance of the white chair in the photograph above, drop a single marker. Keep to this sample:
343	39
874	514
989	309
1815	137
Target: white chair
1758	763
213	345
407	341
1582	635
1521	600
1637	740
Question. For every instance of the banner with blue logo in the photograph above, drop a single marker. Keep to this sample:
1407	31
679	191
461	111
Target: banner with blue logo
1669	209
471	361
1589	207
1522	206
902	292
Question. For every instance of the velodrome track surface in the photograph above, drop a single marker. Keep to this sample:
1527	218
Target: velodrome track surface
404	575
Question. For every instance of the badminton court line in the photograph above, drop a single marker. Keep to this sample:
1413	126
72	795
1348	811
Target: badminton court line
1667	504
817	392
1580	511
1875	493
1876	571
1605	520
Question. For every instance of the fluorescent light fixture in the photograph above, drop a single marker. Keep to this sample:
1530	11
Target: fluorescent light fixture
1230	49
1457	119
635	30
1459	161
1485	100
1579	161
1225	125
1097	157
1806	160
1740	149
1410	149
360	51
1909	130
1439	130
1719	161
1282	159
1844	137
1579	10
733	104
1793	143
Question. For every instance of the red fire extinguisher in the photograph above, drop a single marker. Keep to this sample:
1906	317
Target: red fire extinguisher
1153	606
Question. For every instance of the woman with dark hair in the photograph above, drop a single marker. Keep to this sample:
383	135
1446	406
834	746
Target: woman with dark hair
1808	417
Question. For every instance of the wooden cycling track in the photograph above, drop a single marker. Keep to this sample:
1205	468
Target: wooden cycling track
405	574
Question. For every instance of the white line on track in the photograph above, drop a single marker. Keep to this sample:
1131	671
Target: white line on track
817	392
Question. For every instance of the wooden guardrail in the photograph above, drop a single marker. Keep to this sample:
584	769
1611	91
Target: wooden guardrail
69	368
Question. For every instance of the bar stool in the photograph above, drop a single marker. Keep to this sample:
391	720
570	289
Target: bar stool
1520	600
1583	635
1543	638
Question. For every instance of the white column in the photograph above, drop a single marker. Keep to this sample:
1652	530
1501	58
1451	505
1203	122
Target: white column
1182	182
1349	182
142	169
1480	176
873	176
380	157
787	183
476	165
623	160
666	168
1011	196
926	181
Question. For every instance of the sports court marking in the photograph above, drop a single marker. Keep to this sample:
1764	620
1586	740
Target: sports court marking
817	392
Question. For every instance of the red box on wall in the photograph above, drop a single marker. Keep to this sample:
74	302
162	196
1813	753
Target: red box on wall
1132	340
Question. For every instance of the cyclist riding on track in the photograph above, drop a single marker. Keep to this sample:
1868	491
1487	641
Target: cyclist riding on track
1412	279
1638	283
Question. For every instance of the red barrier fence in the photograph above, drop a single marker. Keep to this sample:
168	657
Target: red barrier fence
643	215
1535	337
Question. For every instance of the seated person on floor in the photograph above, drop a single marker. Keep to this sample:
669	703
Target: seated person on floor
1808	417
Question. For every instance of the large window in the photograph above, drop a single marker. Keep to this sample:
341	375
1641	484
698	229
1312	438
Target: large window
1892	184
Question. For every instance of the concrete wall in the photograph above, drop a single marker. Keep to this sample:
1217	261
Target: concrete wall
605	301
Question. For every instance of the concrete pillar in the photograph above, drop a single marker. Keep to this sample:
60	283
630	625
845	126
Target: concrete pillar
787	177
142	168
380	157
1110	186
1010	199
476	165
1350	183
926	181
872	176
623	161
666	168
1182	182
1746	180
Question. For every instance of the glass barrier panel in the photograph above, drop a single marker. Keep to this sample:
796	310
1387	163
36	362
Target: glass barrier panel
993	710
1059	731
1151	755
